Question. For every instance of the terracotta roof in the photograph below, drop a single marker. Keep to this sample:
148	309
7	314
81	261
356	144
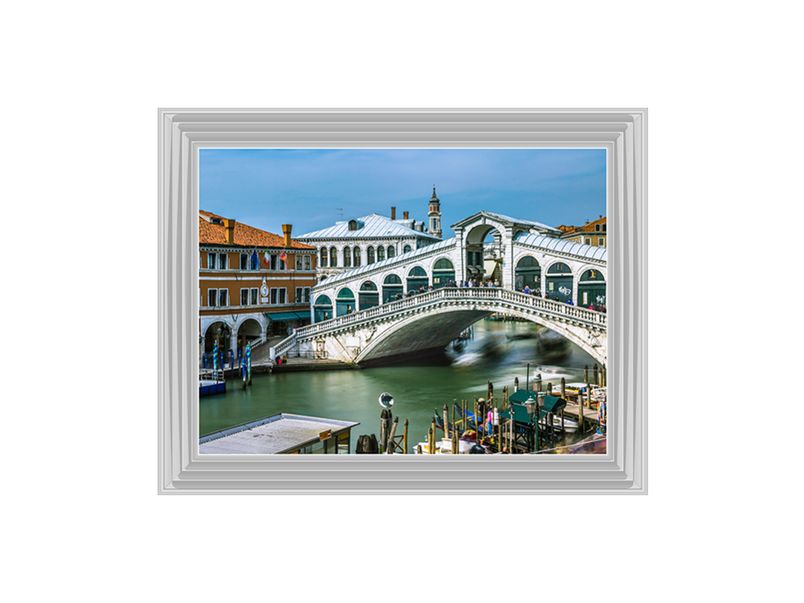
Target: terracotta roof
244	235
588	227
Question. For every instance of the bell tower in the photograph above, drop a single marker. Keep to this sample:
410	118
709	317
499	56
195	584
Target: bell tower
434	215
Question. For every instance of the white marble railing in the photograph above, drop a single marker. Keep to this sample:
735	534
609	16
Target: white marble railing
468	294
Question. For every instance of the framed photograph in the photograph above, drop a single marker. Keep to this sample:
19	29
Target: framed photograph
402	301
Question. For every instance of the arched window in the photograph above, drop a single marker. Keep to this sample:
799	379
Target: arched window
391	251
406	249
592	289
345	302
380	253
559	283
443	273
356	254
322	308
528	274
333	257
324	256
347	257
368	296
370	255
417	280
391	288
353	225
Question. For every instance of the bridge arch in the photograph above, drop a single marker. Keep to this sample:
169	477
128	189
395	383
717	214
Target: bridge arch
472	244
442	324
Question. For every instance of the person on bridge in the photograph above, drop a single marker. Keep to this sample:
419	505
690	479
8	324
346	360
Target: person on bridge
527	290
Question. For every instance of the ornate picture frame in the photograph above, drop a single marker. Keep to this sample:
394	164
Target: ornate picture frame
183	132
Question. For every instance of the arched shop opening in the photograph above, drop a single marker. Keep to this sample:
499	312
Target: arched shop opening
248	332
559	282
220	332
592	289
443	273
391	287
417	279
345	302
322	308
528	273
369	296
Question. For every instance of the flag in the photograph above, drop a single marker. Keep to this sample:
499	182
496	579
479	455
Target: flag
265	258
283	256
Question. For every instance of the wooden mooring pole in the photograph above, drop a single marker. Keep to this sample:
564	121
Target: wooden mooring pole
390	449
405	437
446	421
596	374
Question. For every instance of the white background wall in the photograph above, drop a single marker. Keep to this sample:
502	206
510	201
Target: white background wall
82	83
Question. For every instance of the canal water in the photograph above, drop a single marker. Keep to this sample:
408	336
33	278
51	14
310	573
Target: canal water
497	352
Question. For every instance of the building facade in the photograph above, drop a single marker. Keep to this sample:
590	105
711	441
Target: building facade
591	233
252	284
362	241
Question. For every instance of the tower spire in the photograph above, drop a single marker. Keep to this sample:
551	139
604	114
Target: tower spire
434	215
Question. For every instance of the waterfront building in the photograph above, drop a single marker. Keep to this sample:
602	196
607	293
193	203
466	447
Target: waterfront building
252	283
362	241
591	233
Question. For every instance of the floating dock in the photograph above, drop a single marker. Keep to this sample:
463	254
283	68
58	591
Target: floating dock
207	387
281	434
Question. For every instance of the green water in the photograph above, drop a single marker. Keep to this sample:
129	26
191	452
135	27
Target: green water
417	388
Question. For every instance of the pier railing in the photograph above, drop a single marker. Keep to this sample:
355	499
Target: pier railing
467	294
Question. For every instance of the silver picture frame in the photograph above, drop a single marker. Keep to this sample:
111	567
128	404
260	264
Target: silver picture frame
183	132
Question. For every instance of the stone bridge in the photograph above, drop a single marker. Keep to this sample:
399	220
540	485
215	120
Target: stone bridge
432	320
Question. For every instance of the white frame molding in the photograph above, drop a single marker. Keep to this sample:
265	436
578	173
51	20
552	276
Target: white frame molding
183	132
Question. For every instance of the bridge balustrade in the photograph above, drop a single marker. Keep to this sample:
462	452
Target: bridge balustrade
558	309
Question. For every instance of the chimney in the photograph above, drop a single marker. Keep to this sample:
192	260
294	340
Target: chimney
393	213
228	226
286	228
406	215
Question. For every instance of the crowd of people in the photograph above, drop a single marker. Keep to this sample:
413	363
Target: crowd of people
537	292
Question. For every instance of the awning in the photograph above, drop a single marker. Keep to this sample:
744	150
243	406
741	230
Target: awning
550	404
283	316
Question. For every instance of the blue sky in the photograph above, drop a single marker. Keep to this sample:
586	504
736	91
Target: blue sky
266	188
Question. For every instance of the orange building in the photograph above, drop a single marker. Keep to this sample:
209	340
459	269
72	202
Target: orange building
252	283
592	233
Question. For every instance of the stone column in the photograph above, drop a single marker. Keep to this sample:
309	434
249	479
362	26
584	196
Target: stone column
233	344
459	258
543	278
508	259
